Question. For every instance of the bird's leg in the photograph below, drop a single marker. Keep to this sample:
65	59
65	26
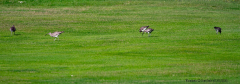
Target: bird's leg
148	34
142	33
55	39
216	31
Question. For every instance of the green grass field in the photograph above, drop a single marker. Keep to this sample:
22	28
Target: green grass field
102	43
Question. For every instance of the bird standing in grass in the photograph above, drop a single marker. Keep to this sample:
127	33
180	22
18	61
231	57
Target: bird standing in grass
143	28
218	29
149	31
146	29
13	29
55	34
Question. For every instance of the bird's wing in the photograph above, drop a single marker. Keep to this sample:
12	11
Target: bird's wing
144	28
13	28
57	33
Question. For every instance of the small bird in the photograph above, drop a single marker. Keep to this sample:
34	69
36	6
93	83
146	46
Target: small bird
218	29
143	28
13	29
148	30
55	34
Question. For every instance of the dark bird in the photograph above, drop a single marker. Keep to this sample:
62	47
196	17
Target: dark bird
13	29
148	30
55	34
218	29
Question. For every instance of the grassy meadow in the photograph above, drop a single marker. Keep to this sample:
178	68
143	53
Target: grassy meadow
101	42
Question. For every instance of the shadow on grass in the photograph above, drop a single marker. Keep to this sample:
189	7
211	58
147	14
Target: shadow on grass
11	35
7	36
146	37
17	34
153	36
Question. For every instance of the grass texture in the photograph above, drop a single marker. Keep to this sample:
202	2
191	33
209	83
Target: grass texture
102	44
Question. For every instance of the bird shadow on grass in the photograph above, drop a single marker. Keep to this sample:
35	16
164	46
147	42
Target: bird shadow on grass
17	34
147	37
12	35
59	40
7	36
153	36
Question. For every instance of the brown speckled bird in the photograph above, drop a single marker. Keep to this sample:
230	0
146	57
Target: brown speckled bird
55	34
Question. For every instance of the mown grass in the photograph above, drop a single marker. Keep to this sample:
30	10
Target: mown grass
101	42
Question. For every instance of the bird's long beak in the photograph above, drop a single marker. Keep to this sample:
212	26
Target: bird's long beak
46	34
